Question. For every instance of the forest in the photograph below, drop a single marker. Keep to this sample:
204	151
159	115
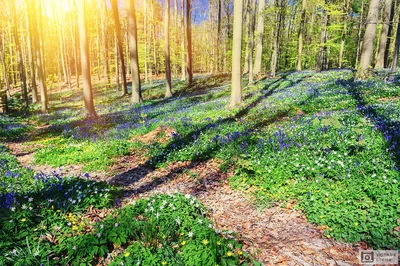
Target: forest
199	132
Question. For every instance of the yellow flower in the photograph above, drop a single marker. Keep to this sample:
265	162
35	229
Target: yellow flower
239	252
328	236
164	263
164	237
44	227
321	217
75	228
23	220
218	243
229	254
204	241
356	224
183	243
127	254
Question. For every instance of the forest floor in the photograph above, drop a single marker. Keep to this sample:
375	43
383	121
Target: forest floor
192	144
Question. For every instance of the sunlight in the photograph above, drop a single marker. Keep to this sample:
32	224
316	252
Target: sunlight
54	8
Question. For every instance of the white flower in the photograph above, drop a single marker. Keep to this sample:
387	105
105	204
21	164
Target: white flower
190	234
157	215
210	225
30	199
200	221
24	207
74	247
187	196
178	221
374	175
13	209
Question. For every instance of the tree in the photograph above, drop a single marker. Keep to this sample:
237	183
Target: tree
114	5
183	63
380	59
396	49
189	42
133	51
168	91
38	54
252	18
301	33
85	62
389	37
259	37
344	31
368	40
236	86
31	57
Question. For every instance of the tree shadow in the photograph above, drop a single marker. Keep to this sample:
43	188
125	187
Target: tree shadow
136	174
389	128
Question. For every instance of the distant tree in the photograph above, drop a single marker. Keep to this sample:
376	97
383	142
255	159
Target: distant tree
114	5
368	40
168	87
301	35
397	48
251	40
189	42
85	61
259	36
38	54
134	60
380	59
236	85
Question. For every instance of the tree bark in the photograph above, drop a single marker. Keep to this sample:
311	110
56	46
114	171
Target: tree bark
380	59
344	32
189	42
133	51
259	37
301	35
104	33
396	49
368	40
274	57
31	58
114	4
251	41
389	37
85	62
236	86
168	87
183	63
39	66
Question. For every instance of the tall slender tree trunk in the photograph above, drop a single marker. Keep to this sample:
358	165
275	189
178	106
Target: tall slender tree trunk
359	41
146	75
251	41
301	35
259	37
114	4
85	62
116	60
247	36
397	48
154	38
321	61
104	32
189	42
344	32
389	37
380	59
183	63
275	50
236	86
168	85
368	40
21	67
36	45
31	58
133	51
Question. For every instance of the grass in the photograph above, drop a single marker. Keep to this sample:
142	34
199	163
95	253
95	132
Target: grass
324	141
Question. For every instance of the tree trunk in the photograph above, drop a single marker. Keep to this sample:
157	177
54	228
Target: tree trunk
321	61
116	60
359	41
189	42
133	51
251	41
368	40
259	37
344	32
389	37
114	4
36	45
274	57
380	59
396	49
183	63
247	37
85	62
301	34
31	58
168	87
219	36
104	32
236	86
146	74
21	67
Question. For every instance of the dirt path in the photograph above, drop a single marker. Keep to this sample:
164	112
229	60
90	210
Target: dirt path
274	236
